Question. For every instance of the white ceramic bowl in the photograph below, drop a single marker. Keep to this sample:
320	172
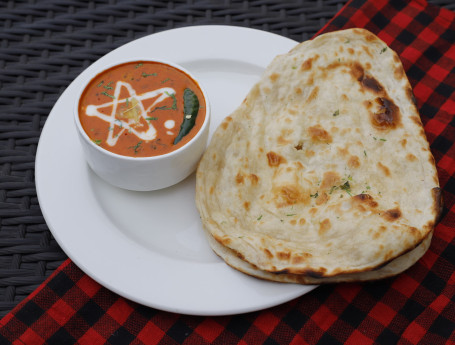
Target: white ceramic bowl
144	173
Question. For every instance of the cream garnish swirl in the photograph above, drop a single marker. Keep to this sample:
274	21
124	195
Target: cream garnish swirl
135	110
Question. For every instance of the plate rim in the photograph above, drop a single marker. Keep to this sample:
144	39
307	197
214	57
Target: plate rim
40	156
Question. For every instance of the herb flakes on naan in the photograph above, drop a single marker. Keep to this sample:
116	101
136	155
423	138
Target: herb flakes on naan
323	173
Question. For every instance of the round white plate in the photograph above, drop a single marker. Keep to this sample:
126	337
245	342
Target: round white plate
149	246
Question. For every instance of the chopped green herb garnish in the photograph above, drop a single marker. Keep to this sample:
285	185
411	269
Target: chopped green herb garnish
97	142
332	189
382	139
145	75
165	80
138	65
315	195
336	113
260	217
291	214
383	50
127	102
136	147
294	67
174	100
101	83
367	188
346	187
347	41
108	86
365	153
151	118
108	95
174	103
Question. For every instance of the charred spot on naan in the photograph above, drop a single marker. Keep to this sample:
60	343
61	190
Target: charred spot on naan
290	194
268	253
387	114
399	73
322	198
438	203
239	178
354	161
300	274
223	240
371	84
274	159
313	95
226	122
365	200
274	76
367	35
392	215
385	170
300	258
324	226
254	179
411	96
308	63
283	255
299	145
330	179
319	134
366	49
411	158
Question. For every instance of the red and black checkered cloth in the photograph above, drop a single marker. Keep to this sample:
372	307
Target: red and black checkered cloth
416	307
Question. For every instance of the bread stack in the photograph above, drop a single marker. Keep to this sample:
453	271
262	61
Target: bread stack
323	174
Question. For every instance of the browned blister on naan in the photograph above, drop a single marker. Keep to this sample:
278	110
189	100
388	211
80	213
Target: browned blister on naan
323	173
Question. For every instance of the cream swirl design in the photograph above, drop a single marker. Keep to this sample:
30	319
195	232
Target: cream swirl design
129	123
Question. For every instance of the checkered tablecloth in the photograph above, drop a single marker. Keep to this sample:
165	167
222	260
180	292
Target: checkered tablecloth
416	307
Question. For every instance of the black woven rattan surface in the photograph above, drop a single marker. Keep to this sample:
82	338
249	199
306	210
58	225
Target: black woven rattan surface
44	45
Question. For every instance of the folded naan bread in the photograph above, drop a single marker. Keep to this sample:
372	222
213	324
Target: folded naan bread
323	173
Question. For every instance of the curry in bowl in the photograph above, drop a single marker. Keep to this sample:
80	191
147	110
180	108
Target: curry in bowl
142	109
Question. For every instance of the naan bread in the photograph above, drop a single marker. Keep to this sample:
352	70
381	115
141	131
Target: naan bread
323	173
392	268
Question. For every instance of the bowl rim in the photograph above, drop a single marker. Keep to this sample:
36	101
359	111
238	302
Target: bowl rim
87	139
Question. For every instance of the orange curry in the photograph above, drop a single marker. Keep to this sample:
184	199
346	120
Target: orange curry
142	109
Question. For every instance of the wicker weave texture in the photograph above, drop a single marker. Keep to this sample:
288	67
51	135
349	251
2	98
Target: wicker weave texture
44	46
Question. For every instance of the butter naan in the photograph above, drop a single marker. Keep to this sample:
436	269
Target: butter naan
323	173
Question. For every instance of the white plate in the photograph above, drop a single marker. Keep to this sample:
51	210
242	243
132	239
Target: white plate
149	246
